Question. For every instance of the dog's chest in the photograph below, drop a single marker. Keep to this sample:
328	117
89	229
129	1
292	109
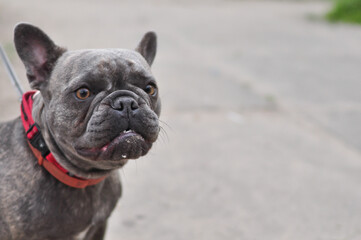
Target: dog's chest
34	205
65	213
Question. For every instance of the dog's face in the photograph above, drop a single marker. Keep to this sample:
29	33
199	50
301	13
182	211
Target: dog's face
108	110
100	107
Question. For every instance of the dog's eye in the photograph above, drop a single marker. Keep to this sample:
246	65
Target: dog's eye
151	90
82	93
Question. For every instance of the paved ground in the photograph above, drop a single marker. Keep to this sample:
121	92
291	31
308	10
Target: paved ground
262	112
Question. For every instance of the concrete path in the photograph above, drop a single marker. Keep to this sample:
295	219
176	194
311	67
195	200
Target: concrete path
261	115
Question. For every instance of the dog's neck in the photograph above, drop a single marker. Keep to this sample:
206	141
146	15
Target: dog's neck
46	157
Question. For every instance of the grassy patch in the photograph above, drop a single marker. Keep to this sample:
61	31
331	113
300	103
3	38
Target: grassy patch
346	11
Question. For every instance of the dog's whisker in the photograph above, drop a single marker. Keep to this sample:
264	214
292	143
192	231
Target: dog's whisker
166	124
163	135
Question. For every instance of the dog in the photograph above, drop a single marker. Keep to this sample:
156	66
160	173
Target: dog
90	111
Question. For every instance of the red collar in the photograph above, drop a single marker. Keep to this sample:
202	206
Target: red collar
42	152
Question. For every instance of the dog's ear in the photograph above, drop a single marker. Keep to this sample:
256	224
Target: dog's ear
38	53
148	47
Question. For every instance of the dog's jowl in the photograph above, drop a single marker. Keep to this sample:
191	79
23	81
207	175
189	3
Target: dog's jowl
90	111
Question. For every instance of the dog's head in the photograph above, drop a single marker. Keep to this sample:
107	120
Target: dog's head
97	108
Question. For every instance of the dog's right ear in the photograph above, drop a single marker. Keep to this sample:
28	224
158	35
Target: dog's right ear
38	53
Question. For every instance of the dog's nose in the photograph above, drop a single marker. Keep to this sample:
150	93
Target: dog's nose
125	104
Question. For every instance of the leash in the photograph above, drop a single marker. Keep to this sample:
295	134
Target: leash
9	69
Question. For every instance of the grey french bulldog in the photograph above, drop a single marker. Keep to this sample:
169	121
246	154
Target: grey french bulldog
95	109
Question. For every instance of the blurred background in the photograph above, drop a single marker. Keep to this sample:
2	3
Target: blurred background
261	113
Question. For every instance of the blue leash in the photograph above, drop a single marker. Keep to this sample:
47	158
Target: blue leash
13	78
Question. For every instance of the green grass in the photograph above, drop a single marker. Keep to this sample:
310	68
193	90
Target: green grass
346	11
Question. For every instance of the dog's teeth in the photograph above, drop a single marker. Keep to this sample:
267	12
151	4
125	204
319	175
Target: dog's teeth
124	156
127	131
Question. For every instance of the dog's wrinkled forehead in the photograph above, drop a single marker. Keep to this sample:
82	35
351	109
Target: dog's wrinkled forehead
113	66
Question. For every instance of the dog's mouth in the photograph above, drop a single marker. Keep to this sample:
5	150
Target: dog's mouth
127	145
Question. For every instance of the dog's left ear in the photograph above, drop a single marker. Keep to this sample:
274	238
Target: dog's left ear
148	47
38	53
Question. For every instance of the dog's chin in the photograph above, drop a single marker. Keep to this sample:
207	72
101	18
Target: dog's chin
127	145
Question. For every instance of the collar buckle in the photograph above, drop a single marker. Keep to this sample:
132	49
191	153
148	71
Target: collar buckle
36	140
